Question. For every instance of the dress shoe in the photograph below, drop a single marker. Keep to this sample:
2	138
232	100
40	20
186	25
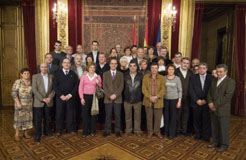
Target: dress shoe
150	135
206	139
84	135
197	137
92	134
48	134
159	136
37	139
117	134
106	134
26	135
73	133
221	149
212	146
58	135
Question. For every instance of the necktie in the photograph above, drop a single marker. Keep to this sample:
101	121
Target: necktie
66	72
203	81
49	66
113	75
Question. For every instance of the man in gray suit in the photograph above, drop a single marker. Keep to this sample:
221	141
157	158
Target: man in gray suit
43	101
219	102
52	68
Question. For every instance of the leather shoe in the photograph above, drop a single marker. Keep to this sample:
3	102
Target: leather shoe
92	134
37	139
159	136
117	134
212	146
73	133
221	149
105	134
197	137
139	134
150	135
48	134
58	135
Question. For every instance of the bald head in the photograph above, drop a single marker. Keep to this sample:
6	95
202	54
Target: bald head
44	68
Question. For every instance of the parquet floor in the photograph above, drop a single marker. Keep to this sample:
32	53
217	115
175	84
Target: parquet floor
112	148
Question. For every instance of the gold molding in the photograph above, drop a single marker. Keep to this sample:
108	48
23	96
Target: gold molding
41	29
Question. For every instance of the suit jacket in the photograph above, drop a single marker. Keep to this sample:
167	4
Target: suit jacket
39	90
184	81
195	88
113	86
54	68
74	68
160	90
221	96
91	54
65	84
57	57
100	70
63	57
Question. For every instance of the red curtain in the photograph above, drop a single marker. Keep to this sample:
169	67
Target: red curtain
195	52
52	25
239	48
28	7
175	33
154	11
75	22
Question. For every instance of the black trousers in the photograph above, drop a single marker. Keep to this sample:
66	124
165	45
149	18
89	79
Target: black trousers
101	116
201	122
41	114
183	116
170	117
67	107
89	122
78	110
117	115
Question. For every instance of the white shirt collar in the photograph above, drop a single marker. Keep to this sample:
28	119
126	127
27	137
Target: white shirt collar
46	75
203	75
91	78
64	71
113	71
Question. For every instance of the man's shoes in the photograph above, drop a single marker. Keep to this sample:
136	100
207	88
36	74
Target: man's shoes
84	135
117	134
48	134
92	134
37	139
197	137
139	134
73	133
150	135
221	149
212	145
177	134
159	135
206	139
106	134
58	135
186	134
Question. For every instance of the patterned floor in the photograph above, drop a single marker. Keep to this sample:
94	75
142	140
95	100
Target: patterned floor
112	148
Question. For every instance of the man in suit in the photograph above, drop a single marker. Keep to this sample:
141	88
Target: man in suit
101	68
177	59
164	53
113	84
199	86
66	88
69	55
57	53
52	68
43	101
219	102
94	53
140	57
80	51
184	74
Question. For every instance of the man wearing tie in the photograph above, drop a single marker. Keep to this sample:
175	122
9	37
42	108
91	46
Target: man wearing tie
219	102
66	88
140	57
94	53
113	84
199	86
43	101
69	55
52	68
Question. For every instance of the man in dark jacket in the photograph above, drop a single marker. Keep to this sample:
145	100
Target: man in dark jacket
133	98
199	86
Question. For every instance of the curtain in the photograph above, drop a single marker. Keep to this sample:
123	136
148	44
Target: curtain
28	7
154	11
175	33
195	52
239	48
52	25
75	22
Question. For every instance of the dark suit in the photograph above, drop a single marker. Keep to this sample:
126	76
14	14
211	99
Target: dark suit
57	57
113	86
52	70
64	85
138	63
221	97
91	54
201	117
184	110
100	71
63	57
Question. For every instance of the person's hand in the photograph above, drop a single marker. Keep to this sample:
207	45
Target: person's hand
199	102
19	106
82	101
45	100
112	97
153	99
68	97
203	102
97	81
178	105
63	98
212	107
48	100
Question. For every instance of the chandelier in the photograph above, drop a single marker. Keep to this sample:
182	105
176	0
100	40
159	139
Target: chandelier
169	16
59	13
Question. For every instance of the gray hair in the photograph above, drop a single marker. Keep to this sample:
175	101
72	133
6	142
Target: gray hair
222	66
203	64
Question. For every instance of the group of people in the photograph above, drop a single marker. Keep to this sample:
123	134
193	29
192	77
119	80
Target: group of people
141	86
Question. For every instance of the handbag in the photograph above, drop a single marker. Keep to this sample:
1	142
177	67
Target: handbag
99	92
95	107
